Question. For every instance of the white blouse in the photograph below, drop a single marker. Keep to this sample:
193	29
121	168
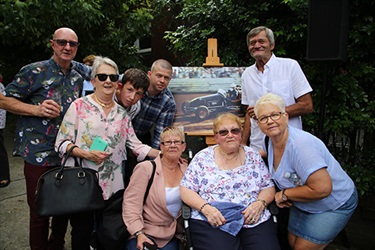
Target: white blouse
173	198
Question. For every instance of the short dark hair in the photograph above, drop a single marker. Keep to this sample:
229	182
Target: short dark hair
162	64
138	78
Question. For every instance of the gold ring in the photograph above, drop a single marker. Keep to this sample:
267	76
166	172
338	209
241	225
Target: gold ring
215	224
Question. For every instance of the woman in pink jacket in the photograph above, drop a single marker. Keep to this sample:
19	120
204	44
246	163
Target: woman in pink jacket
155	221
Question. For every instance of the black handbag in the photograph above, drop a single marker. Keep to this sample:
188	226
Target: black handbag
111	232
68	190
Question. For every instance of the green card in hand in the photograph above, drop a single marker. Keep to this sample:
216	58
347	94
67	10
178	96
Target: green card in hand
99	144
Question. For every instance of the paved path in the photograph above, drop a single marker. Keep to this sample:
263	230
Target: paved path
14	211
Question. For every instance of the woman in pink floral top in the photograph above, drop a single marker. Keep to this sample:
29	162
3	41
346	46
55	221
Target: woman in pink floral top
228	187
98	115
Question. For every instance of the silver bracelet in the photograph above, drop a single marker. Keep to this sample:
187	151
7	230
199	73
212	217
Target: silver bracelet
138	233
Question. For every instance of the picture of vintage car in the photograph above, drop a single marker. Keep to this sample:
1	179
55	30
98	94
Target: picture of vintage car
223	100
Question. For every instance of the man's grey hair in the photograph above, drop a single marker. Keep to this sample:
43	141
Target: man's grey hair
257	30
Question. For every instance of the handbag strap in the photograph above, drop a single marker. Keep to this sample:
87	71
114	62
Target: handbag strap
272	207
68	155
150	181
60	174
265	159
61	143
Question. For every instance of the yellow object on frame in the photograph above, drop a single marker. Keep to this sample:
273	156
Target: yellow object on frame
212	60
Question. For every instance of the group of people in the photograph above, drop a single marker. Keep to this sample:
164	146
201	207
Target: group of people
228	185
53	117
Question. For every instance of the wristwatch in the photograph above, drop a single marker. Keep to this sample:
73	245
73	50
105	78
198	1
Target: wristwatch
283	195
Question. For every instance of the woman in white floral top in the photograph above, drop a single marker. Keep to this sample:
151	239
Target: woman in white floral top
228	187
98	115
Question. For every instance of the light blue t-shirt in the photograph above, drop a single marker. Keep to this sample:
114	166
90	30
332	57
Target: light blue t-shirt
87	88
304	154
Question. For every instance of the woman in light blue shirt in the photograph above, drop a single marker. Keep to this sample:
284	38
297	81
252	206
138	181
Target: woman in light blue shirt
321	196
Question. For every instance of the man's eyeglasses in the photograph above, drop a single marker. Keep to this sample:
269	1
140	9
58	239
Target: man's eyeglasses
63	42
103	77
274	117
168	143
224	132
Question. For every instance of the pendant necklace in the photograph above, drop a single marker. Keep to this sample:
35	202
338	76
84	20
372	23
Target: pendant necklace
102	104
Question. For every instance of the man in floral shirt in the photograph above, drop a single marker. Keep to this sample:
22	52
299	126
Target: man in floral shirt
4	163
40	94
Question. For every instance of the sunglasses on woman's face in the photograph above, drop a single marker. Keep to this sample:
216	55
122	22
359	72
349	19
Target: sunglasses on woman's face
103	77
224	132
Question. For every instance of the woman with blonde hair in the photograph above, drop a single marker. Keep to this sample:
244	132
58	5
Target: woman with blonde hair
228	187
155	221
320	194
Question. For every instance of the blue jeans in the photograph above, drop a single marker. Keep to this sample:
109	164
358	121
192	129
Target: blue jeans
173	244
261	237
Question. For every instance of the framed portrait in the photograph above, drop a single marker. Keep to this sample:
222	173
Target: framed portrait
203	93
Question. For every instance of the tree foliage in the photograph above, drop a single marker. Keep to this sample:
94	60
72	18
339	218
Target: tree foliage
229	21
347	100
110	27
104	27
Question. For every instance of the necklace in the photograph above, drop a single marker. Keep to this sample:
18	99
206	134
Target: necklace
104	105
224	155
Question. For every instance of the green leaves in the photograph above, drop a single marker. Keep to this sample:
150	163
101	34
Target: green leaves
104	27
349	98
110	28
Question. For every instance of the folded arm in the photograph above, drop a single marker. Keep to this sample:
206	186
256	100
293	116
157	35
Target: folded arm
303	106
48	108
318	186
195	201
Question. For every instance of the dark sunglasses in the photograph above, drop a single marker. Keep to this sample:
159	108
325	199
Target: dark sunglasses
103	77
224	132
63	42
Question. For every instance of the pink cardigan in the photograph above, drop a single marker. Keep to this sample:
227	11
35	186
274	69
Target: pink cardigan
153	217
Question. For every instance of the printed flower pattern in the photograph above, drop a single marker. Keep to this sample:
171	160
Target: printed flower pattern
240	185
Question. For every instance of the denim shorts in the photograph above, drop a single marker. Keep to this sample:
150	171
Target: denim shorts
321	228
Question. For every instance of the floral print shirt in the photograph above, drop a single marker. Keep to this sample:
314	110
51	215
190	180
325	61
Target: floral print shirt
34	83
85	120
240	185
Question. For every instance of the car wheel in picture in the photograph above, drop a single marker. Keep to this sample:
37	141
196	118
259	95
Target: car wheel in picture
202	112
